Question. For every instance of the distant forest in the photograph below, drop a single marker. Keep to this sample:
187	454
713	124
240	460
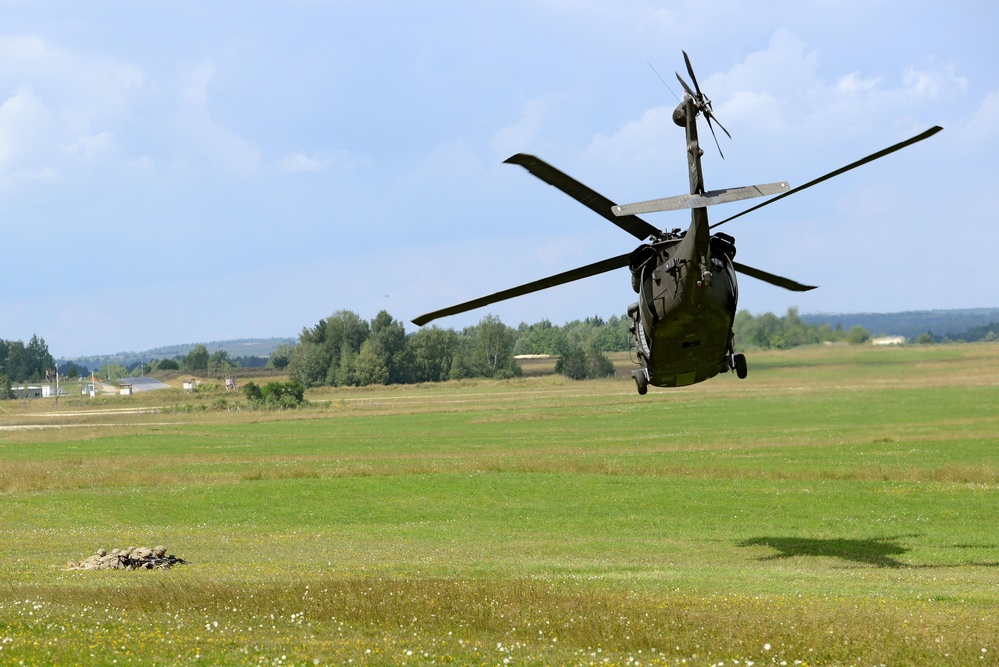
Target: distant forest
967	325
346	350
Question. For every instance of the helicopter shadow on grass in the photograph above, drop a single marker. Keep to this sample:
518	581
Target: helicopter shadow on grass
879	552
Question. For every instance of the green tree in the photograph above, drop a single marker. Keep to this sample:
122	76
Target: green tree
572	363
281	356
343	374
390	336
342	332
370	365
167	365
857	335
310	362
17	366
196	359
541	338
597	364
494	344
432	353
39	359
220	363
113	372
5	391
579	364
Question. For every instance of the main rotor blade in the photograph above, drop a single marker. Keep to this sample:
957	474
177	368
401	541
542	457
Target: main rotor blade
779	281
560	279
870	158
593	200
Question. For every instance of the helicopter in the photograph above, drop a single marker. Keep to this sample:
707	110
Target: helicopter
685	279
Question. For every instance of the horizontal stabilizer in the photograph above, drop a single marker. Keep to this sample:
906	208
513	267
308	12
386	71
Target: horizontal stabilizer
709	198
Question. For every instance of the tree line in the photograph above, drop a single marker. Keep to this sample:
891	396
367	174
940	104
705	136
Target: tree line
346	350
20	363
769	332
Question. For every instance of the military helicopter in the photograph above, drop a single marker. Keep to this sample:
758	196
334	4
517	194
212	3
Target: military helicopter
685	280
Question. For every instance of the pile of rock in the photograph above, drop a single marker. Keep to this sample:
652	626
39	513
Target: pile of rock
132	558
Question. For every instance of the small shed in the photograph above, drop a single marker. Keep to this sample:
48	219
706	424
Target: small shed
189	385
27	392
125	389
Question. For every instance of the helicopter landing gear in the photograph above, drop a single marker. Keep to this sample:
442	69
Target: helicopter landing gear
739	364
641	380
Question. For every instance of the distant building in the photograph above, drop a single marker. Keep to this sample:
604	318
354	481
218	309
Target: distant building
27	392
125	389
888	340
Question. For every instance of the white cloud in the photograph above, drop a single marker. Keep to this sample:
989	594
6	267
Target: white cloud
299	161
637	142
513	138
206	138
91	146
852	84
983	125
452	162
20	117
62	107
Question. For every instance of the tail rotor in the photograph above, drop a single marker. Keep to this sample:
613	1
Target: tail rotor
702	103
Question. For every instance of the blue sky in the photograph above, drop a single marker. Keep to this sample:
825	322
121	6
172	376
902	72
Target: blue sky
187	171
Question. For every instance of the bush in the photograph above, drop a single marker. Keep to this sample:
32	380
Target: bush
252	392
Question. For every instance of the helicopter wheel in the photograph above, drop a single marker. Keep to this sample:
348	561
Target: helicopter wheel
739	362
641	380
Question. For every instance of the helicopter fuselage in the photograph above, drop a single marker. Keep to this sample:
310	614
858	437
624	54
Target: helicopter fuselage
683	318
687	290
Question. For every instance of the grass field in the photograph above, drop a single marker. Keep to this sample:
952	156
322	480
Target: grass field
838	507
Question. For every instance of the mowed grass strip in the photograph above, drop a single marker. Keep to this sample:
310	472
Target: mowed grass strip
849	520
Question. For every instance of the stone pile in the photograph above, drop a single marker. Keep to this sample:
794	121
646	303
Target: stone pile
132	558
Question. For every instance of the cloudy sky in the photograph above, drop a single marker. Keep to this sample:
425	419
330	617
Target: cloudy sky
179	171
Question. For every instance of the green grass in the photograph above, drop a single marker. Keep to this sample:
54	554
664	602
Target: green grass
838	507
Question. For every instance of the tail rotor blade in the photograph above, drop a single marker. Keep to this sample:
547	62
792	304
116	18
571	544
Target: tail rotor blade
690	71
685	86
712	117
712	128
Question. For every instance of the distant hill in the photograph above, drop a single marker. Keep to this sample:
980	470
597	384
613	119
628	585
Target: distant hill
240	347
911	324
